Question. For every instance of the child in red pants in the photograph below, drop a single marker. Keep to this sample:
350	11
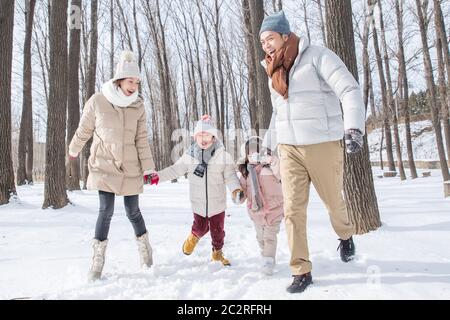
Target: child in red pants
210	170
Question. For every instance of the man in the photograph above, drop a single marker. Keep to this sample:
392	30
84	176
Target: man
307	84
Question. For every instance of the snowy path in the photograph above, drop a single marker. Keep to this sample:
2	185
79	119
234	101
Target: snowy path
46	253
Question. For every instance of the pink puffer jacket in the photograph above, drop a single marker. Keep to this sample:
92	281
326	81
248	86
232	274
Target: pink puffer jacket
270	192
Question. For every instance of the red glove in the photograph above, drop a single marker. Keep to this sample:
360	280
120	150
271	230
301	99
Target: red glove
151	179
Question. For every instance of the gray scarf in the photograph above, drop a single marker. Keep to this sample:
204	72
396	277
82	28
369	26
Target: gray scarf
256	199
203	155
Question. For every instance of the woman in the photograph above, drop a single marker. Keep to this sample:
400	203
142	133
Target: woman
120	155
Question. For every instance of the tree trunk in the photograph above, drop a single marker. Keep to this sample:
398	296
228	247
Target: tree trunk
359	189
251	65
73	102
91	76
55	171
432	90
173	116
366	57
386	111
373	109
220	70
277	5
390	96
111	51
263	101
405	89
442	34
7	187
211	65
305	12
25	154
322	22
441	50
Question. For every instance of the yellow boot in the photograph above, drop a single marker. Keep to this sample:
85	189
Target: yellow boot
217	255
189	244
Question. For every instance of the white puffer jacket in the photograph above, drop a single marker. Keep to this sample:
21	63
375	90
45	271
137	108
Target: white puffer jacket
318	82
208	194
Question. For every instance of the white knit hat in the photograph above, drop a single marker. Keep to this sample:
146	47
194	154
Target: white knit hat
127	67
206	124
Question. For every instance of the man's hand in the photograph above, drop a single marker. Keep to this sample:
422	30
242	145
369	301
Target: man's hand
73	157
353	140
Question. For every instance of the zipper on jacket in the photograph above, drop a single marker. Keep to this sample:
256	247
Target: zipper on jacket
206	184
206	179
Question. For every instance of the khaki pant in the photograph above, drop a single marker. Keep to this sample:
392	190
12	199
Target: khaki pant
321	164
267	238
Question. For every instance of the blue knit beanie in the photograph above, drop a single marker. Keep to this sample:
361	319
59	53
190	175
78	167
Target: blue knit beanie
276	22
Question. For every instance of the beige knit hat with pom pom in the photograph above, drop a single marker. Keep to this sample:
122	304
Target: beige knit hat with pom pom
127	67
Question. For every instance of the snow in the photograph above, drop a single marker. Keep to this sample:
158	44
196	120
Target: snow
45	254
423	140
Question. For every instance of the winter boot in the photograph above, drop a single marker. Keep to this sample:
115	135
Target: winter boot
300	283
217	255
189	244
145	250
98	260
268	263
347	249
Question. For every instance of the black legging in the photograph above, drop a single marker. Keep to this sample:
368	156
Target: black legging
106	212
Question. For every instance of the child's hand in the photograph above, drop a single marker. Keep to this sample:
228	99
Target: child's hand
238	196
151	179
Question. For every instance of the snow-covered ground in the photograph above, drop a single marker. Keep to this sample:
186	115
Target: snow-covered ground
45	254
423	140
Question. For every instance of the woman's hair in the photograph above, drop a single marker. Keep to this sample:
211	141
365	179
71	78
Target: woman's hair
117	82
258	142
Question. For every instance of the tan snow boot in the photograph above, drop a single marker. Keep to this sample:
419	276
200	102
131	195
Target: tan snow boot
189	244
217	255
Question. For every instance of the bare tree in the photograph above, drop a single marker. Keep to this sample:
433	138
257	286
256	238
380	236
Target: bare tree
322	22
91	79
25	154
385	101
404	92
390	96
211	65
222	107
423	24
55	172
359	189
442	55
366	57
7	187
306	19
263	101
277	5
251	65
112	33
73	99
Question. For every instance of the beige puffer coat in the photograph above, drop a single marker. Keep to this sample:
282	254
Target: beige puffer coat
120	151
208	195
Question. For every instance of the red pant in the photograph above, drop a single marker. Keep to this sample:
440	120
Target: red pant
216	223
